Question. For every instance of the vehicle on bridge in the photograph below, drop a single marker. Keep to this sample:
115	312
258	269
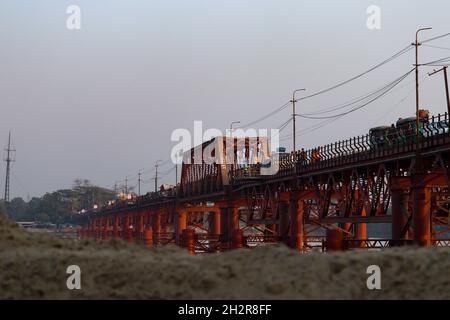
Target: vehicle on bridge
404	131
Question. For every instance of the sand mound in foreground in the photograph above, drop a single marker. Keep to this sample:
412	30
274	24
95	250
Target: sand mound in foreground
34	266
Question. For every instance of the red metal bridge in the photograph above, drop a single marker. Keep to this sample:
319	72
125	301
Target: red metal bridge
322	198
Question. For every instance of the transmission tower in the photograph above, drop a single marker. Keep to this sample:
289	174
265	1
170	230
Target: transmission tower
8	160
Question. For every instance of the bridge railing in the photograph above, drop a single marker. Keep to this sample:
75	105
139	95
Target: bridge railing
364	147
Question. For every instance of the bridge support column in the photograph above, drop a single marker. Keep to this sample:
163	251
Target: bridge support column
188	240
361	229
421	211
167	231
399	213
148	236
224	225
104	228
296	215
214	228
128	228
156	227
116	234
237	241
229	221
283	227
90	229
140	228
234	221
97	231
335	240
180	224
214	223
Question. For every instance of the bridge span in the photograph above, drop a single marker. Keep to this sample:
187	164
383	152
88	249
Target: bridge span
318	199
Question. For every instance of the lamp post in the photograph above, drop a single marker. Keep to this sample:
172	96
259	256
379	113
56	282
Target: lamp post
231	127
156	174
293	118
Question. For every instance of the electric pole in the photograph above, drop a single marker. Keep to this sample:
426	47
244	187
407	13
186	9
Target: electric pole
421	219
156	175
126	186
293	119
417	44
8	161
444	69
177	158
139	184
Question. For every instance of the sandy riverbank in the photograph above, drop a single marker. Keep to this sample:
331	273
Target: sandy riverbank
34	266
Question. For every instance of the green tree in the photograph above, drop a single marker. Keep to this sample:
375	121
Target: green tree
18	209
61	205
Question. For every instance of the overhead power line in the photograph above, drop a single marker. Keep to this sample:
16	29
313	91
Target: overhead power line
340	84
376	95
329	119
436	47
435	38
282	107
265	116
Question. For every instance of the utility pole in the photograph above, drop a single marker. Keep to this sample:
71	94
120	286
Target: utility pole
417	44
294	150
139	183
156	175
8	161
421	219
293	119
126	186
444	69
178	155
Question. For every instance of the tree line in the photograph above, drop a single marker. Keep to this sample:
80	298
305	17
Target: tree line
61	206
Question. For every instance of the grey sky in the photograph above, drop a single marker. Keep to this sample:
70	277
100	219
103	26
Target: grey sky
100	103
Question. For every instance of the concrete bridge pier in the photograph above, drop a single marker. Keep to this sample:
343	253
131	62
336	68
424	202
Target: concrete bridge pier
334	240
399	198
180	224
128	228
237	241
283	226
214	226
421	211
361	229
214	223
148	236
116	226
188	240
296	217
89	229
96	229
104	228
156	225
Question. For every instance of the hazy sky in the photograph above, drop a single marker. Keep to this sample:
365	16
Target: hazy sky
101	103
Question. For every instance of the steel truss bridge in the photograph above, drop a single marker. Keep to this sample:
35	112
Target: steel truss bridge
320	199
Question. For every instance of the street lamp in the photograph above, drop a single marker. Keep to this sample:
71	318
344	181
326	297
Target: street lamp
293	118
231	126
156	174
